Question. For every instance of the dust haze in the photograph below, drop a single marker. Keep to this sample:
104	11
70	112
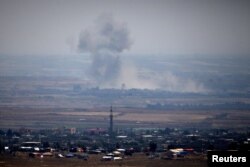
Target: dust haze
106	41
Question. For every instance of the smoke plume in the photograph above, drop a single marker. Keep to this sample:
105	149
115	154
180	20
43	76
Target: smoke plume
165	80
173	83
105	42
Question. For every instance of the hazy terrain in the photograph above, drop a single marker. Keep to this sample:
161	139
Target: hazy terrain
200	73
42	91
124	83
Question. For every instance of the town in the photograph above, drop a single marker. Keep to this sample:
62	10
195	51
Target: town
113	144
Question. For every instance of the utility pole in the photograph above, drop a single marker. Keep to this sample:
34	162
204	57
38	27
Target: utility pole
111	123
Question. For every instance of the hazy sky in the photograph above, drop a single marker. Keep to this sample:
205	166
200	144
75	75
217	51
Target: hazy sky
155	26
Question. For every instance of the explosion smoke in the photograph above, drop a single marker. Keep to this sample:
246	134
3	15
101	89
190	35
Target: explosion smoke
105	41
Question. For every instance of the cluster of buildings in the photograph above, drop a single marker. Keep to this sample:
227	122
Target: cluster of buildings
166	143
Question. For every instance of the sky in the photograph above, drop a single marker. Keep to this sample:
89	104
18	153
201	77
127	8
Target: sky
206	27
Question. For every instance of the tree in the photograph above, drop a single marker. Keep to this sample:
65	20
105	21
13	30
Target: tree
45	144
152	146
1	146
117	145
9	133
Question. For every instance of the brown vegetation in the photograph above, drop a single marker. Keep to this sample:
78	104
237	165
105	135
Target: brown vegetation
17	117
138	160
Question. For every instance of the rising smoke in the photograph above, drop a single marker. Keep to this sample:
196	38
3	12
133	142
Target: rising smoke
163	80
105	42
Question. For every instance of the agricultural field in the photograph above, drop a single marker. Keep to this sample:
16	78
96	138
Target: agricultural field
16	117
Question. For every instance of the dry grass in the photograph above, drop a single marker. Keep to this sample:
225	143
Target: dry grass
94	161
89	113
160	117
11	117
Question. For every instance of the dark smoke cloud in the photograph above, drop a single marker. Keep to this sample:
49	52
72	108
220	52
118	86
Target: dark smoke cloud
105	41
